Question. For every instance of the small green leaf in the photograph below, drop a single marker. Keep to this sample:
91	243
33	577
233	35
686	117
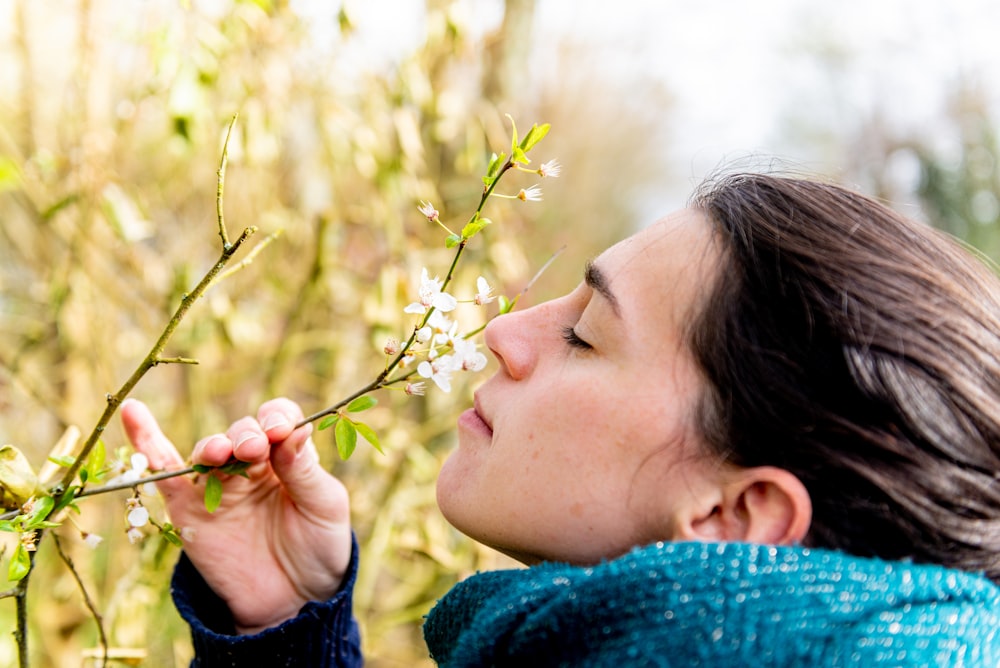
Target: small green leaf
505	304
67	498
535	135
496	162
65	461
369	435
361	404
236	468
201	468
7	525
84	475
452	241
170	535
20	564
95	461
328	422
42	507
474	227
519	156
346	436
213	493
513	131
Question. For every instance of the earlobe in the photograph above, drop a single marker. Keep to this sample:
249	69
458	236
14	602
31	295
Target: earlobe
764	504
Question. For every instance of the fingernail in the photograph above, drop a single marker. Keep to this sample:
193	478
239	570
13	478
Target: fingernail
274	420
243	438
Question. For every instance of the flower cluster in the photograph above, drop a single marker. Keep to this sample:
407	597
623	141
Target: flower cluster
137	517
447	351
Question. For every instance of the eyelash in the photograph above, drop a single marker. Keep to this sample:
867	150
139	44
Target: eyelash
571	337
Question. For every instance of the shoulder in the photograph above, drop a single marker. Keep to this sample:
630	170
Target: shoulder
732	601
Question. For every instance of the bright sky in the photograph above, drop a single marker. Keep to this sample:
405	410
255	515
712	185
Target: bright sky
742	72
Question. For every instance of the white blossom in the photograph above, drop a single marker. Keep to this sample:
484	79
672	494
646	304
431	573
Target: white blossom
428	210
466	357
431	296
438	370
138	517
484	294
92	540
532	194
552	168
416	389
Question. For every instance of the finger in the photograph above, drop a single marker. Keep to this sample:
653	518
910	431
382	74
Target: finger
250	444
146	437
296	464
214	450
278	418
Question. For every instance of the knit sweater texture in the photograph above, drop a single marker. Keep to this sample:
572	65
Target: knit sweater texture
669	604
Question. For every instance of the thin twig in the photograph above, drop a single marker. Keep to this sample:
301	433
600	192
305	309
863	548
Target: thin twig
21	631
380	380
154	356
102	636
221	184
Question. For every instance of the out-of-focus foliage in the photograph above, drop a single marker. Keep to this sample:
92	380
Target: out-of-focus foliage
952	178
111	123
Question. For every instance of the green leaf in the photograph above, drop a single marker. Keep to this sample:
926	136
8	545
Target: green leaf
201	468
535	135
513	127
361	404
64	461
236	468
505	304
519	156
95	461
42	507
496	162
369	435
452	241
346	436
20	564
7	525
67	498
170	535
474	226
213	493
328	422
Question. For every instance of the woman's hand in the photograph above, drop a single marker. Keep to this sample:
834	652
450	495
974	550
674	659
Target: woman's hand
280	538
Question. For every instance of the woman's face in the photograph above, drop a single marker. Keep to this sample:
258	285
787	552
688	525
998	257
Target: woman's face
582	444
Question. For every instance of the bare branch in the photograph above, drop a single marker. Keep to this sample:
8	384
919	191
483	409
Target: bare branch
102	636
221	185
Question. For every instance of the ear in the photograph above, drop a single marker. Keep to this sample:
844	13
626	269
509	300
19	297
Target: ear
764	504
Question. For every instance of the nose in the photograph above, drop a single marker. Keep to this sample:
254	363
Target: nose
513	339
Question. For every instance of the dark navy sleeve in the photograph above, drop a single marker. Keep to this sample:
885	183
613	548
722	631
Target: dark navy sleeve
324	634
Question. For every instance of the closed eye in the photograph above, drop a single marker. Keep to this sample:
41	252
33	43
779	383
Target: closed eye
570	336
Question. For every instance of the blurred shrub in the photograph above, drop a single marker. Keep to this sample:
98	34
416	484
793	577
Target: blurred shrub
110	136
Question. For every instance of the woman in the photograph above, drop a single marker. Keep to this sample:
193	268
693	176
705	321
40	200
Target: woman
763	430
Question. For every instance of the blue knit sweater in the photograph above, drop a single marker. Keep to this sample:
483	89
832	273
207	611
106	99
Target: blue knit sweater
668	604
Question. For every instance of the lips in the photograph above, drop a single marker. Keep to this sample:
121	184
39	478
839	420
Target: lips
479	413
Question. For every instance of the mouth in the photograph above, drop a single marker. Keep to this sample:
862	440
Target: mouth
479	412
472	420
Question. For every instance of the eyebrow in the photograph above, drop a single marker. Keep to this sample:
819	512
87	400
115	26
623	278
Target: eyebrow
599	283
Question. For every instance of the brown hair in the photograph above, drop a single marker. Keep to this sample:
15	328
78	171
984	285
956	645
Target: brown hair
859	350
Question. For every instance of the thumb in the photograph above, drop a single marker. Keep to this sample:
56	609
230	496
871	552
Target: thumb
296	463
146	437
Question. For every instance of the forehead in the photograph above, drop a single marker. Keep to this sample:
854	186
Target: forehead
678	251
